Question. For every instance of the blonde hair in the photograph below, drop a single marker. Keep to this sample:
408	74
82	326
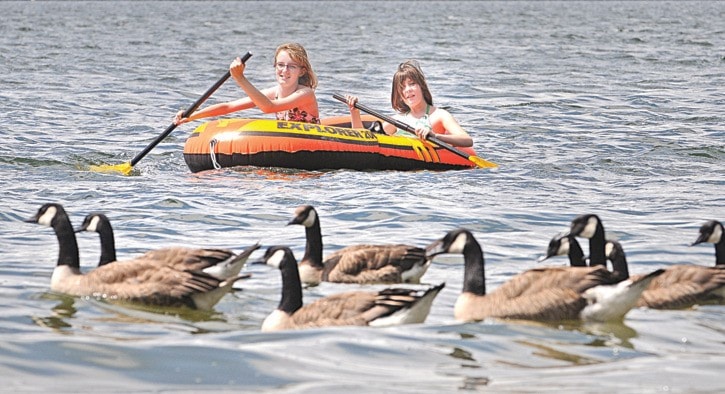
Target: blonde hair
298	54
408	69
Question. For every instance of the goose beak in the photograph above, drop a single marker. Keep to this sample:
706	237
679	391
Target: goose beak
260	261
542	258
434	249
702	238
553	248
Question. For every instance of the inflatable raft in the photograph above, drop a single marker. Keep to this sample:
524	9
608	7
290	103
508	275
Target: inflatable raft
330	145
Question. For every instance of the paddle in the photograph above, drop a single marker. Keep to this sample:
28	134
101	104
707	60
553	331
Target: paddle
404	126
125	168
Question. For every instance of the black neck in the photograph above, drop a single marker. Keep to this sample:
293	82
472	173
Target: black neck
597	255
720	252
68	246
576	255
313	248
291	287
108	245
620	266
474	276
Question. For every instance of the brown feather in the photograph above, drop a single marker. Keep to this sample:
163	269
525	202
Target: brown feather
371	263
357	308
141	281
537	294
683	286
550	305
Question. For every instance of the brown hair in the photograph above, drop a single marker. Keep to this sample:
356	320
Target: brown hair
298	54
408	69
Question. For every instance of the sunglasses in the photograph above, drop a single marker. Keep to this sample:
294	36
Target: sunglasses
290	66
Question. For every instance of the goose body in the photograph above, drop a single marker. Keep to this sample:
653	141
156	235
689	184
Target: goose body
395	263
360	308
543	294
139	280
220	263
683	286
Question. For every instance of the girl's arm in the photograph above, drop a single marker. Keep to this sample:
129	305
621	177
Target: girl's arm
389	128
355	119
215	110
302	97
455	136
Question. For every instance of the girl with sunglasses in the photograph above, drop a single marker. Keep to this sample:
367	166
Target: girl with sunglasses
292	99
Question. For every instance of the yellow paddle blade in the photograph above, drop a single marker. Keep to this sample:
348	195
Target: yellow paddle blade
123	168
482	163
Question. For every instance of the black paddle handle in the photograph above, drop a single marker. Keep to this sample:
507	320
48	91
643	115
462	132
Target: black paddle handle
400	125
212	89
393	121
187	113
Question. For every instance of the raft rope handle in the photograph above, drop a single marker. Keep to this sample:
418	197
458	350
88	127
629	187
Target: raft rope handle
212	146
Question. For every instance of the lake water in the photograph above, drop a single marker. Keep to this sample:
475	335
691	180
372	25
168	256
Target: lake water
614	108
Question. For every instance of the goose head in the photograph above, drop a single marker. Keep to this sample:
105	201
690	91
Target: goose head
462	241
586	226
712	232
565	244
94	222
305	215
280	257
99	223
455	241
50	215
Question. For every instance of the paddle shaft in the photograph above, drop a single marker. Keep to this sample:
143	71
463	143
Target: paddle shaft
404	126
186	114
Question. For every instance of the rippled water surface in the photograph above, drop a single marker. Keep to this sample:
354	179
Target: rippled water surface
615	108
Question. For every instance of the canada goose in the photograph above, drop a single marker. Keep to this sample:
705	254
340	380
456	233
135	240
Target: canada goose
544	294
683	286
220	263
566	244
591	227
359	308
357	263
139	280
712	232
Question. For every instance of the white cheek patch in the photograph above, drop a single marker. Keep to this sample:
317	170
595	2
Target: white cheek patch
93	226
716	235
563	247
276	259
608	249
310	220
590	228
47	218
458	244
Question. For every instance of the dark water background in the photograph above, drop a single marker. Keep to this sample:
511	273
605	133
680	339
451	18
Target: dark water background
615	108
